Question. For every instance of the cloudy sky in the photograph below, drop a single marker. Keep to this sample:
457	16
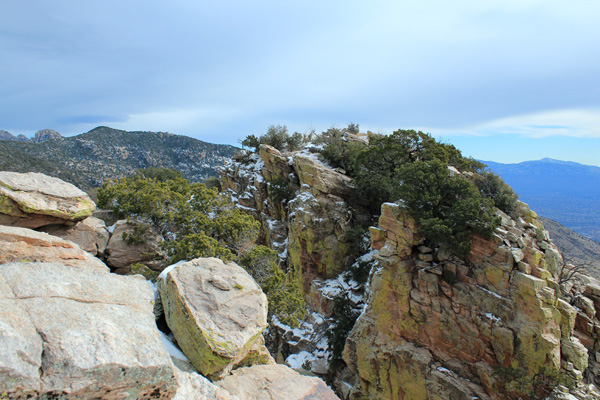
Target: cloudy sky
504	80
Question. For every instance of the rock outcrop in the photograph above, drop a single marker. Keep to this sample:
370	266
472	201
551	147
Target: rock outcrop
490	327
26	245
217	313
79	333
44	135
309	228
32	200
89	234
275	382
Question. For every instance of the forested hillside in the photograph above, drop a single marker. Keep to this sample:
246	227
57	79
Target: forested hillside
89	159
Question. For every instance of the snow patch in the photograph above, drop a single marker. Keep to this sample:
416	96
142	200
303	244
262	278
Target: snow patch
171	348
163	275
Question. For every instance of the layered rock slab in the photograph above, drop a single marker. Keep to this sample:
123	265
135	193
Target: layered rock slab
26	245
275	382
89	234
70	332
32	200
217	313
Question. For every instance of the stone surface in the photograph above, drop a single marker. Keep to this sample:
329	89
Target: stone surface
320	178
89	234
275	382
26	245
121	255
32	200
87	334
192	386
484	313
317	244
216	311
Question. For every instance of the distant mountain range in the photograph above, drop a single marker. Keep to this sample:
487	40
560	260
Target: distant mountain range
563	191
39	137
89	159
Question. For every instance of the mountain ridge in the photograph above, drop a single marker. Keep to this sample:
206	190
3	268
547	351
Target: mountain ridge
89	159
564	191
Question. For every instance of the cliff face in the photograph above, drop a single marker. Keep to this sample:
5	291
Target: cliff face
497	325
300	204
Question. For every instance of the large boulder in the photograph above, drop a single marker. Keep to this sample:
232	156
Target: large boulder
26	245
32	200
320	178
90	234
216	311
193	386
80	333
121	255
275	382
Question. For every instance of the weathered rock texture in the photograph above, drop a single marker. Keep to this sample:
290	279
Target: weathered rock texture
89	234
196	387
32	200
26	245
217	313
439	327
309	228
120	255
80	333
275	382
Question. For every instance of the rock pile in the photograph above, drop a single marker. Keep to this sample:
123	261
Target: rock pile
71	329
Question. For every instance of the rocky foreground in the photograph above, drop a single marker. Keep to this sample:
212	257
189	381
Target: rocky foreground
71	329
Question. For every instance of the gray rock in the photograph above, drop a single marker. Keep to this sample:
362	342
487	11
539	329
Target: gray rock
89	234
216	311
95	335
22	244
32	200
121	255
275	382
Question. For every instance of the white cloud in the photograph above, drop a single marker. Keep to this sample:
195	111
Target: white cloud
578	123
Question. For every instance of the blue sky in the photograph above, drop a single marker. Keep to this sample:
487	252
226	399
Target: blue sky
507	81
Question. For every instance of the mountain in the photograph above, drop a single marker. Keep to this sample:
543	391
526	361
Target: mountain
39	137
89	159
576	248
566	192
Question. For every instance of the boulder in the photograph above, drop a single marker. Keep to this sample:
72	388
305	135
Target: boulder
193	386
79	333
276	165
275	382
320	178
89	234
32	200
120	255
26	245
216	311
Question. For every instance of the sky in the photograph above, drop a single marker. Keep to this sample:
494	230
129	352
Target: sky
503	80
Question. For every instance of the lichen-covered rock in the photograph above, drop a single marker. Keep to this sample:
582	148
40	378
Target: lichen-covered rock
275	382
320	178
121	255
79	333
89	234
216	311
276	165
487	321
26	245
32	200
317	244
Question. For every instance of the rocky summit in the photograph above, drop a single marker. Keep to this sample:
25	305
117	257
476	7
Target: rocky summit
96	307
505	322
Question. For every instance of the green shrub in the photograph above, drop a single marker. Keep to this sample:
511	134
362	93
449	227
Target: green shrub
278	137
492	186
138	234
193	220
280	190
345	317
283	292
